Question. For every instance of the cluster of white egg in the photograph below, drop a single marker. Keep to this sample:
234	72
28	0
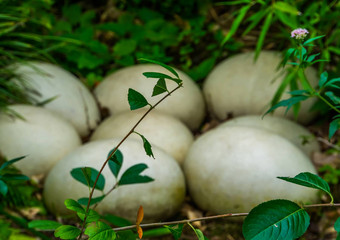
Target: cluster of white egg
231	168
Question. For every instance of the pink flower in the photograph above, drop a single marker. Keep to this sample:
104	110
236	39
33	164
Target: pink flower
299	33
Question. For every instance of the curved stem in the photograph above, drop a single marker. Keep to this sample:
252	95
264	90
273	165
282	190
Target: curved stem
327	102
114	151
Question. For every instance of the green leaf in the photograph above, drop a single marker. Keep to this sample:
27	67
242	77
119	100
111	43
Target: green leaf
87	176
323	79
176	230
335	99
74	206
147	146
263	33
10	162
94	200
286	81
199	234
337	228
236	23
290	52
333	127
287	103
124	47
312	39
136	100
100	231
309	180
286	7
44	224
332	81
170	69
160	75
67	232
115	162
3	188
132	175
255	19
160	87
10	177
275	219
92	216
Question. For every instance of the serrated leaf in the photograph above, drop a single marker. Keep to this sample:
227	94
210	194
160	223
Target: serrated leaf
147	146
99	231
10	162
44	224
170	69
92	216
3	188
263	34
67	232
160	87
85	200
333	127
136	99
87	176
275	219
132	175
309	180
176	230
323	79
115	162
74	206
312	39
236	23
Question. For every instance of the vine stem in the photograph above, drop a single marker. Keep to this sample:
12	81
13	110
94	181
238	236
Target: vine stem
114	151
148	225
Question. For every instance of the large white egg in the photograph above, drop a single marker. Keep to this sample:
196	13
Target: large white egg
240	86
186	103
42	136
160	198
161	130
233	169
72	100
297	134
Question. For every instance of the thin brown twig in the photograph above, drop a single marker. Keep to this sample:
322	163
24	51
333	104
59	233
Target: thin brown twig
114	151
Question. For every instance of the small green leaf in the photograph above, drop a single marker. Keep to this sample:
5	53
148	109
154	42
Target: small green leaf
275	219
176	230
44	224
333	127
147	146
335	99
136	100
287	103
285	7
263	34
309	180
85	200
160	87
312	39
170	69
67	232
323	79
3	188
115	162
10	162
124	47
99	231
74	206
199	234
332	82
92	216
337	228
132	175
161	75
87	176
236	23
10	176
